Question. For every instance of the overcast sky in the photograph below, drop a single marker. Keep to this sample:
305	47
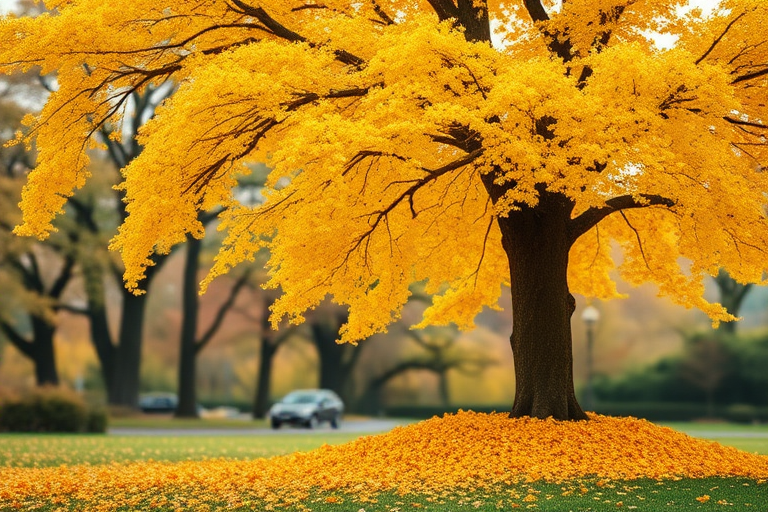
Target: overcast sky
5	5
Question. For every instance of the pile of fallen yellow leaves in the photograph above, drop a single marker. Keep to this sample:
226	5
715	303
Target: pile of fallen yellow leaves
463	451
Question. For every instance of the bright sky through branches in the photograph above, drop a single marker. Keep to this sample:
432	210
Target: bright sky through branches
6	5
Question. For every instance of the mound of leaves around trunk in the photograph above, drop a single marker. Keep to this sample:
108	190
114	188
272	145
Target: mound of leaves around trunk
466	452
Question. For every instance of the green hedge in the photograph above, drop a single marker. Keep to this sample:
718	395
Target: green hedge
50	410
653	411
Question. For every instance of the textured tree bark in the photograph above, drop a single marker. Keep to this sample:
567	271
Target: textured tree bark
536	241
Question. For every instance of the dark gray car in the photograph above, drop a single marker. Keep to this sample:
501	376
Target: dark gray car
307	407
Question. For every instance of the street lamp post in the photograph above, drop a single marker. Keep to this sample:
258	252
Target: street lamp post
590	316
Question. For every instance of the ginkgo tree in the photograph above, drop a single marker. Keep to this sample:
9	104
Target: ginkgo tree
462	144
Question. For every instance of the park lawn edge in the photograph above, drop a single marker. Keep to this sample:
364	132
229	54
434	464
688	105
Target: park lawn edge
446	461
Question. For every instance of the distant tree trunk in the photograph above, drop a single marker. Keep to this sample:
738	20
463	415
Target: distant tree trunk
39	349
126	365
370	402
187	407
43	353
102	342
264	378
537	244
445	397
732	296
336	361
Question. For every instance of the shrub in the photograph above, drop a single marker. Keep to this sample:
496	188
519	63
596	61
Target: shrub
97	421
742	413
50	410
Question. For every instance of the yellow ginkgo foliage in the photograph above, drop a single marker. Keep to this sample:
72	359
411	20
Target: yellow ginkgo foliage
464	144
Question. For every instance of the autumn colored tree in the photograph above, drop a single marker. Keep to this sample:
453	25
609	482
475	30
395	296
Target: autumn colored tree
466	144
99	214
33	276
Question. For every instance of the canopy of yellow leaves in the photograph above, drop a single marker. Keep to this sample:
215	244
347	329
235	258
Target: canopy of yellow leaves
353	105
466	451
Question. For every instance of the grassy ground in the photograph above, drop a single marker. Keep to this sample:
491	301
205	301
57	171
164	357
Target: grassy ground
709	494
170	423
694	427
578	495
748	444
30	450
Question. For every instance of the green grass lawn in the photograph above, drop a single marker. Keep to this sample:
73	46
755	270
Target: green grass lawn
27	450
45	450
587	495
31	450
170	423
748	444
694	427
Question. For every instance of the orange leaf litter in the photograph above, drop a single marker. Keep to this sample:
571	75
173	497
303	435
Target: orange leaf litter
462	451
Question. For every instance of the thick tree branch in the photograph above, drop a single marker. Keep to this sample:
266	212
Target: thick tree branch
750	76
283	32
536	10
221	313
445	9
17	340
57	288
592	216
745	123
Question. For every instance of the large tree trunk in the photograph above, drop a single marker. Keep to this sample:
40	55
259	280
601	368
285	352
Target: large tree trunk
187	407
127	360
536	241
43	351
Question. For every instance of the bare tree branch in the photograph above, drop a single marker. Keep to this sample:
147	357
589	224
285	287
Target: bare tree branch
221	313
592	216
719	38
17	340
283	32
745	123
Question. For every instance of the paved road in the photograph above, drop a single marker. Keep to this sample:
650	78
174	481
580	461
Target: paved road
368	426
